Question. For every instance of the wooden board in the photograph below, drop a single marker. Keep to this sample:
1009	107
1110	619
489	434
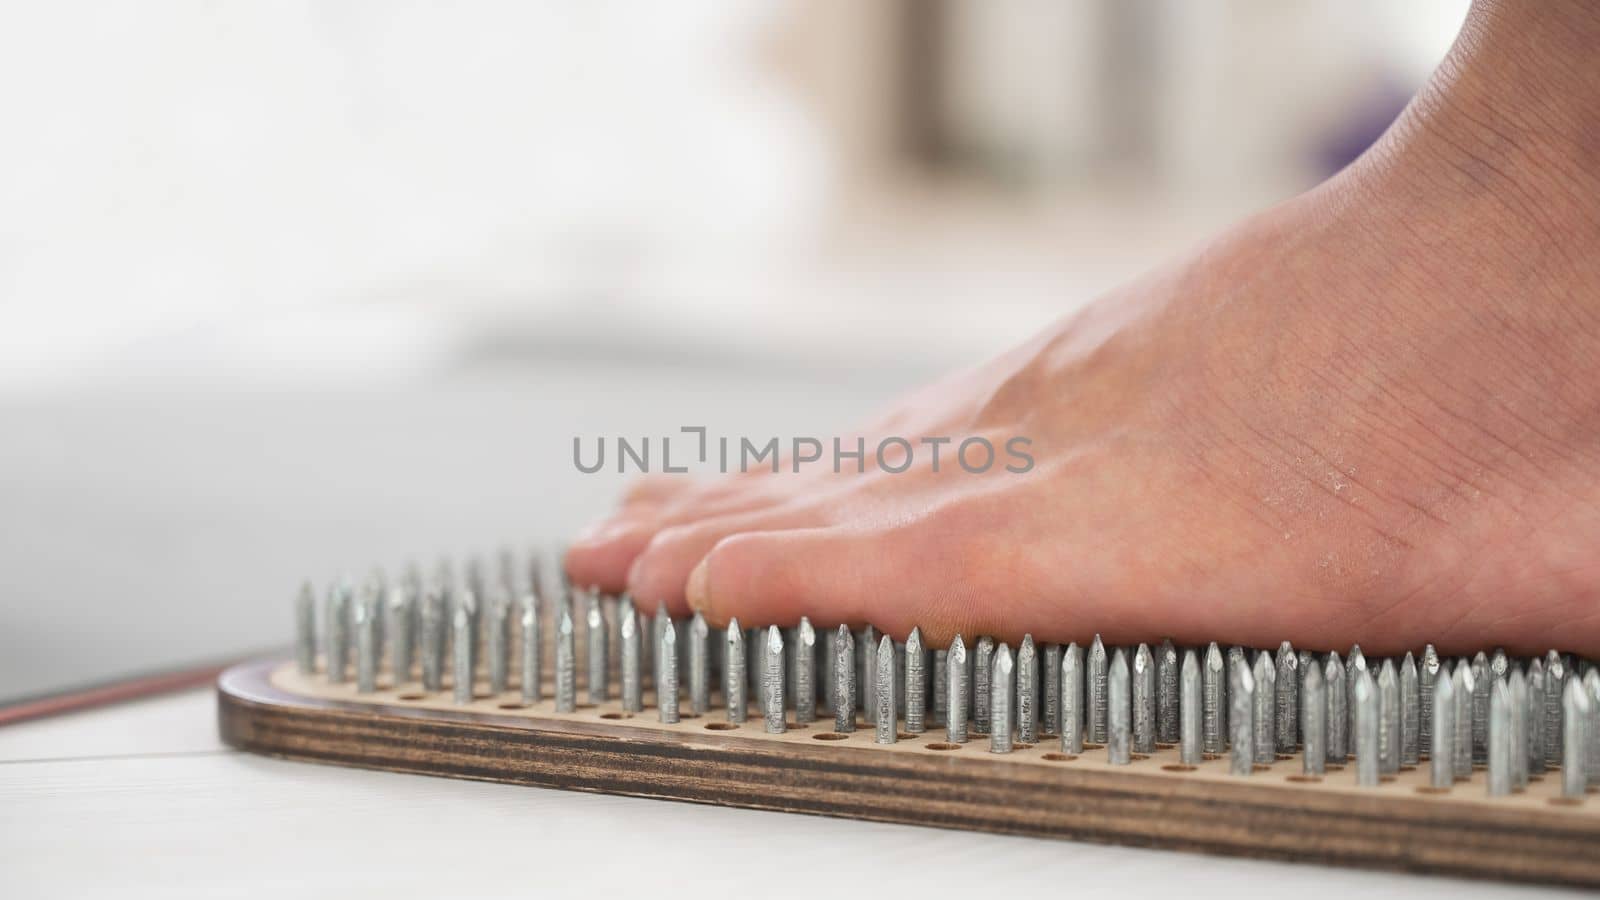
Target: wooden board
270	708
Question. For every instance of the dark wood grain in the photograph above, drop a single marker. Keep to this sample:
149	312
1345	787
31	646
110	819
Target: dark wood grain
1245	818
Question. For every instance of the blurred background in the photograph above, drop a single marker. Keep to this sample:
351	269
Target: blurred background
295	289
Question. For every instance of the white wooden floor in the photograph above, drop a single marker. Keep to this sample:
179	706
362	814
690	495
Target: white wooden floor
142	800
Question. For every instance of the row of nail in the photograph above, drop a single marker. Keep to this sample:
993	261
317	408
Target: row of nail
1515	718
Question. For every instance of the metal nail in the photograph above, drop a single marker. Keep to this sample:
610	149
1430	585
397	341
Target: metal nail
1333	681
1051	682
1576	709
844	681
883	694
1410	713
632	658
772	699
1072	699
1518	738
599	664
461	645
1002	688
955	719
1096	705
1314	720
498	641
366	626
402	621
802	672
1214	713
734	682
1442	742
1555	684
982	665
532	673
1499	749
941	685
1286	693
1590	682
1241	711
1480	708
434	630
566	661
1265	716
699	665
1119	711
335	627
667	673
1366	703
1535	713
1463	687
1354	665
1190	711
916	684
1427	677
305	629
1027	702
867	672
1388	719
1143	683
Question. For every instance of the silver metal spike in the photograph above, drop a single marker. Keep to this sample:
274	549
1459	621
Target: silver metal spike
1410	713
1576	711
336	631
1241	713
916	684
1214	711
1354	665
955	719
1463	686
1442	742
1499	665
941	686
802	672
982	667
1534	714
867	672
1072	699
1002	689
1500	781
461	645
1050	719
1027	700
497	641
1190	711
1590	682
1427	677
305	629
1480	708
844	681
1167	725
434	630
1333	681
1388	719
734	681
772	699
632	658
1265	716
667	673
566	661
1314	719
1143	683
1286	693
1119	711
1555	684
1095	708
366	626
699	665
1367	714
883	693
599	663
532	673
1517	739
401	603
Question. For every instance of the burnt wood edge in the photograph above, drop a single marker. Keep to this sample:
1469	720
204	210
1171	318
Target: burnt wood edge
1243	819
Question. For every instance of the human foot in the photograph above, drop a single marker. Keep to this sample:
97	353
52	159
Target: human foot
1368	415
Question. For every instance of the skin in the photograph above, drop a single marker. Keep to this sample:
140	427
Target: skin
1370	414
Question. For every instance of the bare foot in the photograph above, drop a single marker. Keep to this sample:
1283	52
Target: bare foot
1371	414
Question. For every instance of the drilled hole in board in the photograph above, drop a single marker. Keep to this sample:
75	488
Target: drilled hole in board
1258	767
794	726
1430	789
513	706
1138	756
722	726
1060	757
413	696
1178	767
1303	779
830	736
1284	757
1565	801
1022	745
616	715
1387	779
1211	756
906	736
941	745
1091	745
